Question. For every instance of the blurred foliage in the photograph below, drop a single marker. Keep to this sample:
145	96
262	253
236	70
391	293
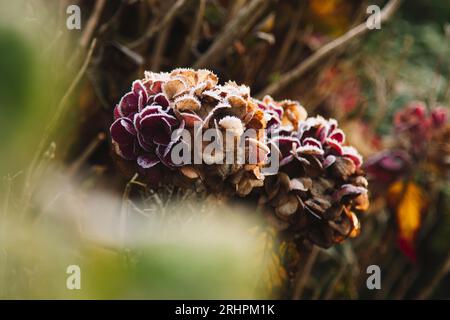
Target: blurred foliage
414	60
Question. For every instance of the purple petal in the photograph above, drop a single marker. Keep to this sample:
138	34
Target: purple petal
334	145
126	151
284	161
117	112
338	135
161	100
123	131
156	87
322	133
156	128
286	145
163	153
138	88
312	142
354	155
142	101
348	190
190	119
128	105
171	120
329	160
149	110
147	161
144	144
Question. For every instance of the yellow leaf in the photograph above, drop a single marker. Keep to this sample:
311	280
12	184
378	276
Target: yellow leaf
408	201
324	7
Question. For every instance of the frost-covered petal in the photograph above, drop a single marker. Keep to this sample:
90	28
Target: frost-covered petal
353	154
191	119
161	100
338	135
123	131
336	146
128	104
329	160
310	149
156	128
174	87
347	190
232	125
147	161
187	103
126	151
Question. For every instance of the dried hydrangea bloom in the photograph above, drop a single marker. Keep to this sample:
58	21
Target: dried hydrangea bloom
415	127
313	193
150	118
320	184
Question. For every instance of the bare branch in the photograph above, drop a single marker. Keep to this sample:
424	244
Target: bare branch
304	273
326	50
153	28
92	23
237	27
193	35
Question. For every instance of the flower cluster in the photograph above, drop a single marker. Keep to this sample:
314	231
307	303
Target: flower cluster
314	190
320	183
150	118
421	138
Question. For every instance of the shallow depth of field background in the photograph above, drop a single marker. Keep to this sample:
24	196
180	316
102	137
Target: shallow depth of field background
64	201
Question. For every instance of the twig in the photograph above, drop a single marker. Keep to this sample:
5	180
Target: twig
193	35
105	26
54	121
303	275
161	43
237	27
92	23
153	28
289	39
124	211
76	165
442	272
133	55
396	268
326	50
330	291
405	284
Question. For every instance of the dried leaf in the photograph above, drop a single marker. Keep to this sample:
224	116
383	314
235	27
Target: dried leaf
408	202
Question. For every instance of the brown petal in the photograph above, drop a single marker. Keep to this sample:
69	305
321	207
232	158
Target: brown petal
288	206
246	186
188	75
272	186
174	87
189	172
343	228
187	103
293	114
319	204
285	181
343	167
207	76
334	212
361	202
298	185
